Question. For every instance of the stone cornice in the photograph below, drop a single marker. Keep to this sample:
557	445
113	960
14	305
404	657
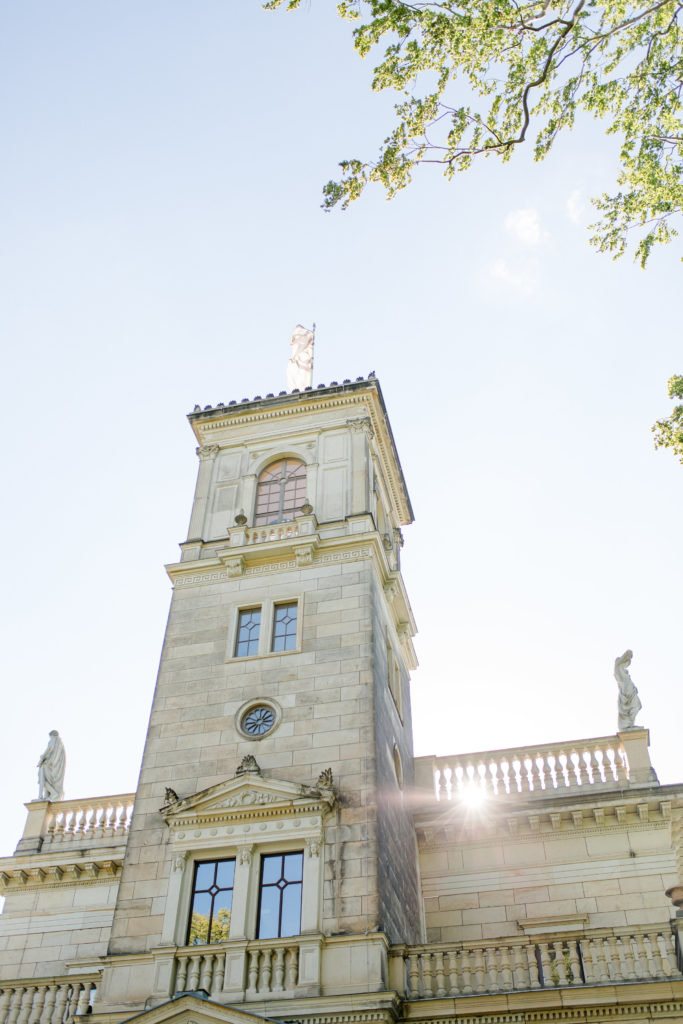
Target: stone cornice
57	876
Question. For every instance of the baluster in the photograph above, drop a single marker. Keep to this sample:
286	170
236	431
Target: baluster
650	964
587	959
655	955
413	975
266	971
206	974
505	969
528	769
505	776
574	962
181	974
218	973
491	969
539	780
601	963
640	957
426	961
292	967
563	764
588	767
48	1005
193	973
520	975
576	766
532	965
26	1003
599	759
5	994
253	970
546	967
60	1003
609	943
560	968
84	997
626	953
107	821
453	989
667	953
466	968
551	762
37	1007
440	975
15	1005
121	817
279	970
612	767
478	970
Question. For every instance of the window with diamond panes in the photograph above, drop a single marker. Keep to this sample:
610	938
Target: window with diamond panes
211	902
280	895
248	629
281	492
284	627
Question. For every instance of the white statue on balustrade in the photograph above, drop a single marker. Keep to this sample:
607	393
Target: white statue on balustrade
629	702
300	365
51	767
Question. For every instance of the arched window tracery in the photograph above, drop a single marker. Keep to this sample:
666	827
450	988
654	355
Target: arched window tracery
280	492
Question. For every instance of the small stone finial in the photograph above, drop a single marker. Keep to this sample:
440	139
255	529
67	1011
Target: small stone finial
300	365
306	508
628	702
240	518
248	766
325	779
170	796
51	768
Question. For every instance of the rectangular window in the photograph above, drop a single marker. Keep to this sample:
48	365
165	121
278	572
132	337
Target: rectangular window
284	627
211	902
248	629
280	895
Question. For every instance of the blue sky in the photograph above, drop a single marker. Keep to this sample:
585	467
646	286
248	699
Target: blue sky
162	234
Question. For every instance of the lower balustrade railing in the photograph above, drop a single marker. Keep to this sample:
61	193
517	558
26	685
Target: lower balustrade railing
519	964
55	1002
271	967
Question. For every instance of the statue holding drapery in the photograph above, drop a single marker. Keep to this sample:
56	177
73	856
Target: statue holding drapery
629	702
51	767
300	365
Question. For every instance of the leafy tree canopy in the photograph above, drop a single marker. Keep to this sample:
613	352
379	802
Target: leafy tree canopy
478	78
669	432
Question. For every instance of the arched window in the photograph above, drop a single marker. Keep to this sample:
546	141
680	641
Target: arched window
281	492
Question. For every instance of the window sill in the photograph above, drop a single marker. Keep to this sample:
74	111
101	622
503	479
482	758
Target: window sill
268	654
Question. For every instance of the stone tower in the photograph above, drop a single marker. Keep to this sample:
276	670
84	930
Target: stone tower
282	692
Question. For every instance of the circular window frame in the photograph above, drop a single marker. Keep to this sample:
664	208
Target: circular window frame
251	705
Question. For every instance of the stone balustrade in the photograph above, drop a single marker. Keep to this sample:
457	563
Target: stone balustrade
270	968
98	819
49	1002
554	768
262	534
518	964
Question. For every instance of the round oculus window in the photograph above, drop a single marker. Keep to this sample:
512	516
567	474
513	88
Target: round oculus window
258	720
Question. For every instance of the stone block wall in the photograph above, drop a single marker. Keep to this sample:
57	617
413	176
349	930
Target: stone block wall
487	874
43	927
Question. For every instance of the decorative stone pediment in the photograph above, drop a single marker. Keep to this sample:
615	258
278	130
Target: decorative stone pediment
250	798
196	1010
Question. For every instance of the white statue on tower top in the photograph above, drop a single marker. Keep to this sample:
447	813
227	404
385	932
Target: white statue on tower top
300	365
51	769
629	701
